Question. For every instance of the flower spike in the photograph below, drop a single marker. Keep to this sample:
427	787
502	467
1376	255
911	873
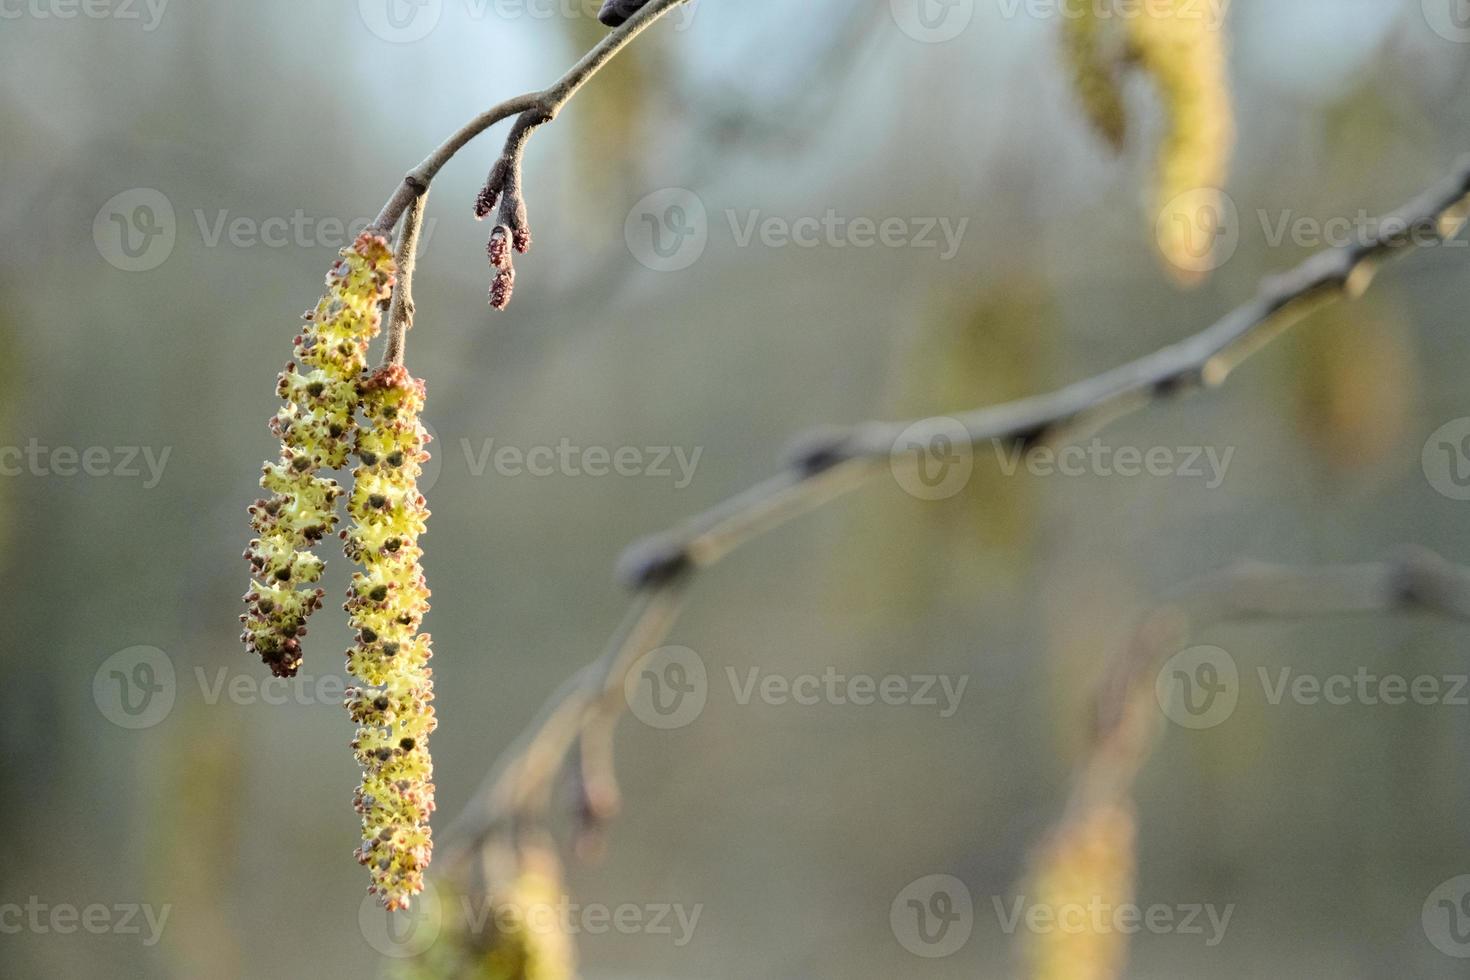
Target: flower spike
315	426
386	603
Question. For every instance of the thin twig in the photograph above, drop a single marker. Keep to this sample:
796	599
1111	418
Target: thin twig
547	102
1129	718
400	312
1125	709
833	461
514	790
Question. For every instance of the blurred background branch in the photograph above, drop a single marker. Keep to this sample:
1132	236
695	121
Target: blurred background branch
1088	857
832	462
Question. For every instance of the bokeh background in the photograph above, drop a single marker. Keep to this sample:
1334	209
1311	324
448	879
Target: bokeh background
266	127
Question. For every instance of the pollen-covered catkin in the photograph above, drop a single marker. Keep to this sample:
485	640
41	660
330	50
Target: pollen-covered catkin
517	936
1184	52
315	426
1095	73
1181	47
386	602
1087	864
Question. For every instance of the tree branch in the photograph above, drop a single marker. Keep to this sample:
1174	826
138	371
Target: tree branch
1125	711
1129	717
545	103
831	462
400	312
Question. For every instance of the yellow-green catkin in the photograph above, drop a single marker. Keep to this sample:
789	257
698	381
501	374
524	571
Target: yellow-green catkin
1086	40
1180	45
386	602
315	426
532	943
521	932
1183	49
1083	875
